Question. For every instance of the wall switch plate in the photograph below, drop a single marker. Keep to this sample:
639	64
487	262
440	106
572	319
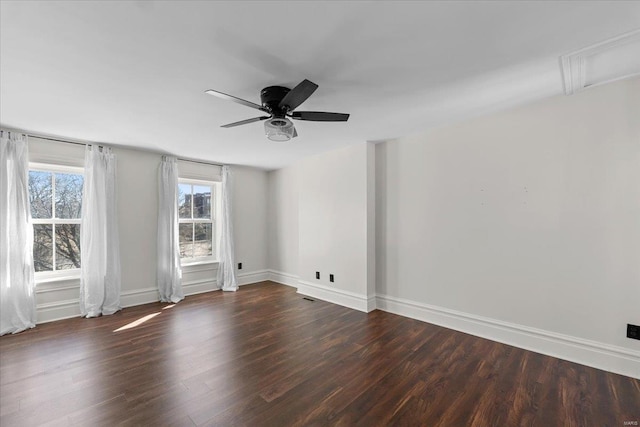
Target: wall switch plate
633	332
331	277
318	275
239	266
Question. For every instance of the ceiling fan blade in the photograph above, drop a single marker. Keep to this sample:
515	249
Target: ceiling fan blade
234	99
298	95
319	116
244	122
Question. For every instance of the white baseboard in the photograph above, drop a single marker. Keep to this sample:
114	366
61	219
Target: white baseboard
209	285
283	278
325	293
371	303
58	310
335	296
139	297
195	287
252	277
65	309
586	352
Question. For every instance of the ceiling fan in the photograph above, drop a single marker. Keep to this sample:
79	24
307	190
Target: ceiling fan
279	102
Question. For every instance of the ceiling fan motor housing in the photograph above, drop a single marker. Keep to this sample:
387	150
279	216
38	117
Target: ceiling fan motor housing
271	97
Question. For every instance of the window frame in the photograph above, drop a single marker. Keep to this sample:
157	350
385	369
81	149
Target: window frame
47	276
213	220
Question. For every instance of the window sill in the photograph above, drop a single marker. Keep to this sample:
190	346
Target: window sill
202	266
199	262
57	278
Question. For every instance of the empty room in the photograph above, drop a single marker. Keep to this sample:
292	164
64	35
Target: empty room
320	213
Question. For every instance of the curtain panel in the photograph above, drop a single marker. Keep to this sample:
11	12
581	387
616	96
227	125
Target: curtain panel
17	284
99	241
169	272
226	268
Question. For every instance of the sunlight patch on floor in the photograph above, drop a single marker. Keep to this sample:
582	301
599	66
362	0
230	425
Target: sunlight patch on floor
138	322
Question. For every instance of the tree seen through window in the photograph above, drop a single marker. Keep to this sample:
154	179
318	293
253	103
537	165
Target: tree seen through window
56	206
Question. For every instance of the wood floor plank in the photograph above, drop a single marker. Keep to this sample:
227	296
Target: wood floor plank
264	356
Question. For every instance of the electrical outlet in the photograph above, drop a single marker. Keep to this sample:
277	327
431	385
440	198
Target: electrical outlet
317	275
331	277
239	266
633	332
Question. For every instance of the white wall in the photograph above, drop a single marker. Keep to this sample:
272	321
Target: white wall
249	197
528	218
137	198
321	218
283	224
333	225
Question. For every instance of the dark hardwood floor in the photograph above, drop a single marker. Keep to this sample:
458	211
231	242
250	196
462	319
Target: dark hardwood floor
264	356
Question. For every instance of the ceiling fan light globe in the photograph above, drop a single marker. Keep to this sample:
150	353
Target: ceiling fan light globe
279	129
278	137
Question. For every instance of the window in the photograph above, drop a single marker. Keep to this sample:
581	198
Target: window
196	223
55	194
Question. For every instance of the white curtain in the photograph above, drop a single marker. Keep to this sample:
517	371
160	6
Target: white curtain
226	271
99	243
17	286
169	273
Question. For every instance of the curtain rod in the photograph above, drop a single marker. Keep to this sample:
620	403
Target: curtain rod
80	143
45	137
201	162
57	140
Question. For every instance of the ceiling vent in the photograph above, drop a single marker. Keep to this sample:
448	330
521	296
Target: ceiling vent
614	59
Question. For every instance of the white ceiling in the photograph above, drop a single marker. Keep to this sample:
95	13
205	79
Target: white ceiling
134	73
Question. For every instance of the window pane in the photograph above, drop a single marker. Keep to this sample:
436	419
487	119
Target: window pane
68	195
40	194
186	240
201	201
42	247
202	240
67	246
184	200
